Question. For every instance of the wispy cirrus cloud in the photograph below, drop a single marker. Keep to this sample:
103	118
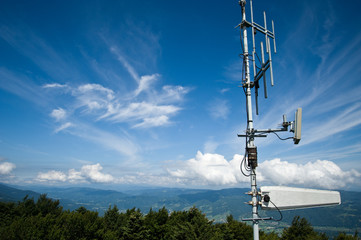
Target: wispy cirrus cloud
327	90
21	85
103	104
219	109
80	109
63	126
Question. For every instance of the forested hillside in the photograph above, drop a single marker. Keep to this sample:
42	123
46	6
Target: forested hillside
46	219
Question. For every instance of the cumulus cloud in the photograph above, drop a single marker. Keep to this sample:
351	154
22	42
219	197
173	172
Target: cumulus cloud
214	169
93	173
52	176
6	168
321	173
87	173
75	176
209	169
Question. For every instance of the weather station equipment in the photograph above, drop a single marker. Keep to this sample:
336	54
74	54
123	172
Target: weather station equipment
272	197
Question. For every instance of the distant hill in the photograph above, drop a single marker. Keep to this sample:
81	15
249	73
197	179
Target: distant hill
10	194
216	204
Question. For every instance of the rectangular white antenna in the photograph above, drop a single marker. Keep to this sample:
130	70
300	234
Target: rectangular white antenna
287	198
297	126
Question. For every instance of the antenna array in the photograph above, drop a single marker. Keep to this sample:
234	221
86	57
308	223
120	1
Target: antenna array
284	197
250	161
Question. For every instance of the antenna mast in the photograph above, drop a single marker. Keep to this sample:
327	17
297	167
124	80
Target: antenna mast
258	73
291	198
250	148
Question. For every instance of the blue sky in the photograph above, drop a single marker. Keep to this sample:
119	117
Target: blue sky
114	93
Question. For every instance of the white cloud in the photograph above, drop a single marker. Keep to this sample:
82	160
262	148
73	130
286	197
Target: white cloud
153	122
171	94
209	169
6	168
210	146
214	169
145	82
219	109
58	114
121	143
52	176
86	88
75	176
321	174
153	110
54	85
63	127
91	173
144	109
125	63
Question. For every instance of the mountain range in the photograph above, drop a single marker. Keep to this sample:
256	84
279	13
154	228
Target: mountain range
216	204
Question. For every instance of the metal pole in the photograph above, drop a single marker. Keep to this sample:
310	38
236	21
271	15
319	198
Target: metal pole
250	129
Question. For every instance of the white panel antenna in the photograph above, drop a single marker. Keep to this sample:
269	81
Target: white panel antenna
288	198
297	126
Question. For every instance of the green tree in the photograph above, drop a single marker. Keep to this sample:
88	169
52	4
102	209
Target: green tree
344	236
301	229
191	224
238	230
135	228
156	223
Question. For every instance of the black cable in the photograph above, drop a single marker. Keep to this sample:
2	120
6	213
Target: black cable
241	167
281	216
282	138
258	59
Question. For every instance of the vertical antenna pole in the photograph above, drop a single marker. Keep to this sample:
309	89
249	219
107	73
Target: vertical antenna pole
250	130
